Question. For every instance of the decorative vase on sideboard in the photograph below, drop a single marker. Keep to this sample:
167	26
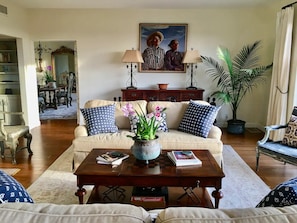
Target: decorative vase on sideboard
146	149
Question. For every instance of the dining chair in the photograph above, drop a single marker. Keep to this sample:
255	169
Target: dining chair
41	100
65	93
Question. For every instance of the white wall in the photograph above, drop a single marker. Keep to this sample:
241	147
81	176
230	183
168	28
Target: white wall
103	36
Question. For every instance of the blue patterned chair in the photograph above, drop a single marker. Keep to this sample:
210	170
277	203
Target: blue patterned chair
284	150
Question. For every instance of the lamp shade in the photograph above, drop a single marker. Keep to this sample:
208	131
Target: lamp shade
132	56
192	56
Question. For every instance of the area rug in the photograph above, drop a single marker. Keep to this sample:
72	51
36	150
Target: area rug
63	112
10	171
241	187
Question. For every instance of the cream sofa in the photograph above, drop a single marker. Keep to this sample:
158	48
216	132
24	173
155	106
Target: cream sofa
172	140
105	213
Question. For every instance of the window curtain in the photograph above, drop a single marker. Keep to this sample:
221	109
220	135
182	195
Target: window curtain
278	102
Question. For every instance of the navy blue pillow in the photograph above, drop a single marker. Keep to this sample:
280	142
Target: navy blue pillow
198	119
285	194
100	119
12	191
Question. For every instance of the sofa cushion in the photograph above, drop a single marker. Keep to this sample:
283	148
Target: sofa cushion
243	215
87	213
284	194
122	122
198	119
11	190
172	139
100	119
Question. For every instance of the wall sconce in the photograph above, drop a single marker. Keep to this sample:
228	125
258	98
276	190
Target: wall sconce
132	56
192	57
40	50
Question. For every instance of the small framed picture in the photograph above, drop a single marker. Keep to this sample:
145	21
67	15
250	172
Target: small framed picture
162	47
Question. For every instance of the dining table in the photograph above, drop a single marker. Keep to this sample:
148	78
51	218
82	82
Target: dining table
50	96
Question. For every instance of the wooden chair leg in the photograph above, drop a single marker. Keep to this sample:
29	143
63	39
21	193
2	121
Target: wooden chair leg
257	159
13	145
67	101
28	136
2	149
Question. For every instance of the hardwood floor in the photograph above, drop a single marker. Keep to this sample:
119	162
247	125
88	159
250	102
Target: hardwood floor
53	137
49	141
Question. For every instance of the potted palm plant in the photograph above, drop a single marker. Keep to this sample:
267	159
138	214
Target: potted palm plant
235	78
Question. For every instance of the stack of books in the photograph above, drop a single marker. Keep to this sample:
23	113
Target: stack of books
112	157
184	158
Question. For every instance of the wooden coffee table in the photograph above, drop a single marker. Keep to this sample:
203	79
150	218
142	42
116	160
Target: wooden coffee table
158	173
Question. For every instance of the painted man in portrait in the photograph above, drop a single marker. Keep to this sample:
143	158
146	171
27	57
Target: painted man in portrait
153	55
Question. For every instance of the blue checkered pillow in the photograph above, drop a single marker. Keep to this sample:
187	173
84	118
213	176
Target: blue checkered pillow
100	119
198	119
12	191
285	194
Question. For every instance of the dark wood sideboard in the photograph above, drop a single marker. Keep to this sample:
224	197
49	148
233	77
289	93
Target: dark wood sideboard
162	95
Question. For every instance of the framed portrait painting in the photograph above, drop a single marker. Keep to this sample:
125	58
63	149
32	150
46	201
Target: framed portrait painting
162	47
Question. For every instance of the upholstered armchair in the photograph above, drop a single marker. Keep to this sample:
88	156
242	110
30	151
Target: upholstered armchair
284	150
10	134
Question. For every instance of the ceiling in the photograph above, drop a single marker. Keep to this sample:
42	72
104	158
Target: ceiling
154	4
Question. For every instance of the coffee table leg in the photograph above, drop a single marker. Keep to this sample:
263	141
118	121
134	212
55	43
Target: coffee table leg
217	194
80	193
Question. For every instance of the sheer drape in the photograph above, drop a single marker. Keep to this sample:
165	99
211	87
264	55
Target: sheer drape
277	108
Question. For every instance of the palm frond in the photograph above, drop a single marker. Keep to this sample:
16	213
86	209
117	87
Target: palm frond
247	56
214	69
224	55
242	74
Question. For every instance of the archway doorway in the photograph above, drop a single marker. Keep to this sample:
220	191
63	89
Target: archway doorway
59	59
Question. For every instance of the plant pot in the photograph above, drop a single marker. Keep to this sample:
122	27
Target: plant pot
146	149
52	84
236	126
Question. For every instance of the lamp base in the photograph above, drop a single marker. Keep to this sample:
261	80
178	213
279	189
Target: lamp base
191	88
131	87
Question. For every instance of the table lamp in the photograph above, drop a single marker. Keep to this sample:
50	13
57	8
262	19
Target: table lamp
192	57
132	56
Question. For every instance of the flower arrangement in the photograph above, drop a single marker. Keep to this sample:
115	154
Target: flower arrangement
147	125
48	75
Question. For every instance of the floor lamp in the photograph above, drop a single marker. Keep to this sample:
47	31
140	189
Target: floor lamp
132	56
192	57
